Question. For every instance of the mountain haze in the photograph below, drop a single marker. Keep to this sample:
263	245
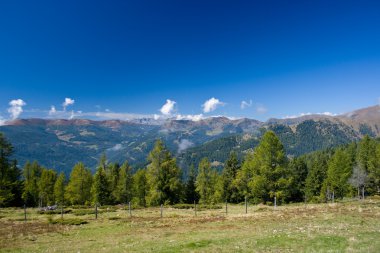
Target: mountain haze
61	143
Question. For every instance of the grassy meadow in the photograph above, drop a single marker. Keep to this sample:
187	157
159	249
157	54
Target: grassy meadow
347	226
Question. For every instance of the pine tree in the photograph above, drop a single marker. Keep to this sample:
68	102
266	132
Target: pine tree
338	172
46	187
113	181
124	189
10	183
243	177
59	189
298	169
31	193
164	176
316	175
141	187
100	187
205	183
229	191
367	159
78	190
191	194
270	174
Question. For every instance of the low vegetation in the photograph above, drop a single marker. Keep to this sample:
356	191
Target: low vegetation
346	226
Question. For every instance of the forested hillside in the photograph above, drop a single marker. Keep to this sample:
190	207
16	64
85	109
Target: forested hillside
264	173
60	144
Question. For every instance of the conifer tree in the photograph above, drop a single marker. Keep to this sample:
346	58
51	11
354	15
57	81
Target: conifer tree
46	187
10	183
270	175
229	191
164	176
124	189
59	189
31	193
204	182
141	187
191	194
100	187
338	172
78	190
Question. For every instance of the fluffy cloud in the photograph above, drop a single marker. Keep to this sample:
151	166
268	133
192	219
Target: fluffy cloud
168	107
244	104
196	117
52	110
2	121
261	109
67	102
184	144
117	147
309	113
15	108
211	105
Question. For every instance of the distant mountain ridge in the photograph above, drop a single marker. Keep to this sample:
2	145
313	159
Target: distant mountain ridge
60	143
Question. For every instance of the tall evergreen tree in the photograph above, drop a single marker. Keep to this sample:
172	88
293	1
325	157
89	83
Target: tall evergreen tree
270	175
46	187
124	189
206	182
191	194
141	187
100	188
78	190
368	161
10	183
298	169
338	172
59	189
228	176
32	174
164	176
316	175
113	181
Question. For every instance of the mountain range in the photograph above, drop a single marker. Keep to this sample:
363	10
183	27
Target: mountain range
60	143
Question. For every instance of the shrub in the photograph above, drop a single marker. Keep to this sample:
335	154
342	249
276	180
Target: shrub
74	222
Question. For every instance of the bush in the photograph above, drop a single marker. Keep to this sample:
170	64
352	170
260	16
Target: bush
54	211
199	206
114	218
80	206
183	206
74	222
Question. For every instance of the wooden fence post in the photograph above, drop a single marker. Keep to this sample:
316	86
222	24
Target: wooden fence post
24	213
246	205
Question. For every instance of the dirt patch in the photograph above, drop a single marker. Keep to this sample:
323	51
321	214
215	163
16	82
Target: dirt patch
10	231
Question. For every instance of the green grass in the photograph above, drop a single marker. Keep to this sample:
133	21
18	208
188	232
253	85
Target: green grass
340	227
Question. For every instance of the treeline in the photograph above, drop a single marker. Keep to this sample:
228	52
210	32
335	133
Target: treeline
265	173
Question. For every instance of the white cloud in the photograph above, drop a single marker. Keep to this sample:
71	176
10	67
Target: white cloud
67	102
184	144
261	109
16	108
168	107
52	110
196	117
117	147
2	121
211	105
244	104
72	115
309	113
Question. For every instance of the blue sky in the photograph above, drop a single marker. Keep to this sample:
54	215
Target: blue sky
117	58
